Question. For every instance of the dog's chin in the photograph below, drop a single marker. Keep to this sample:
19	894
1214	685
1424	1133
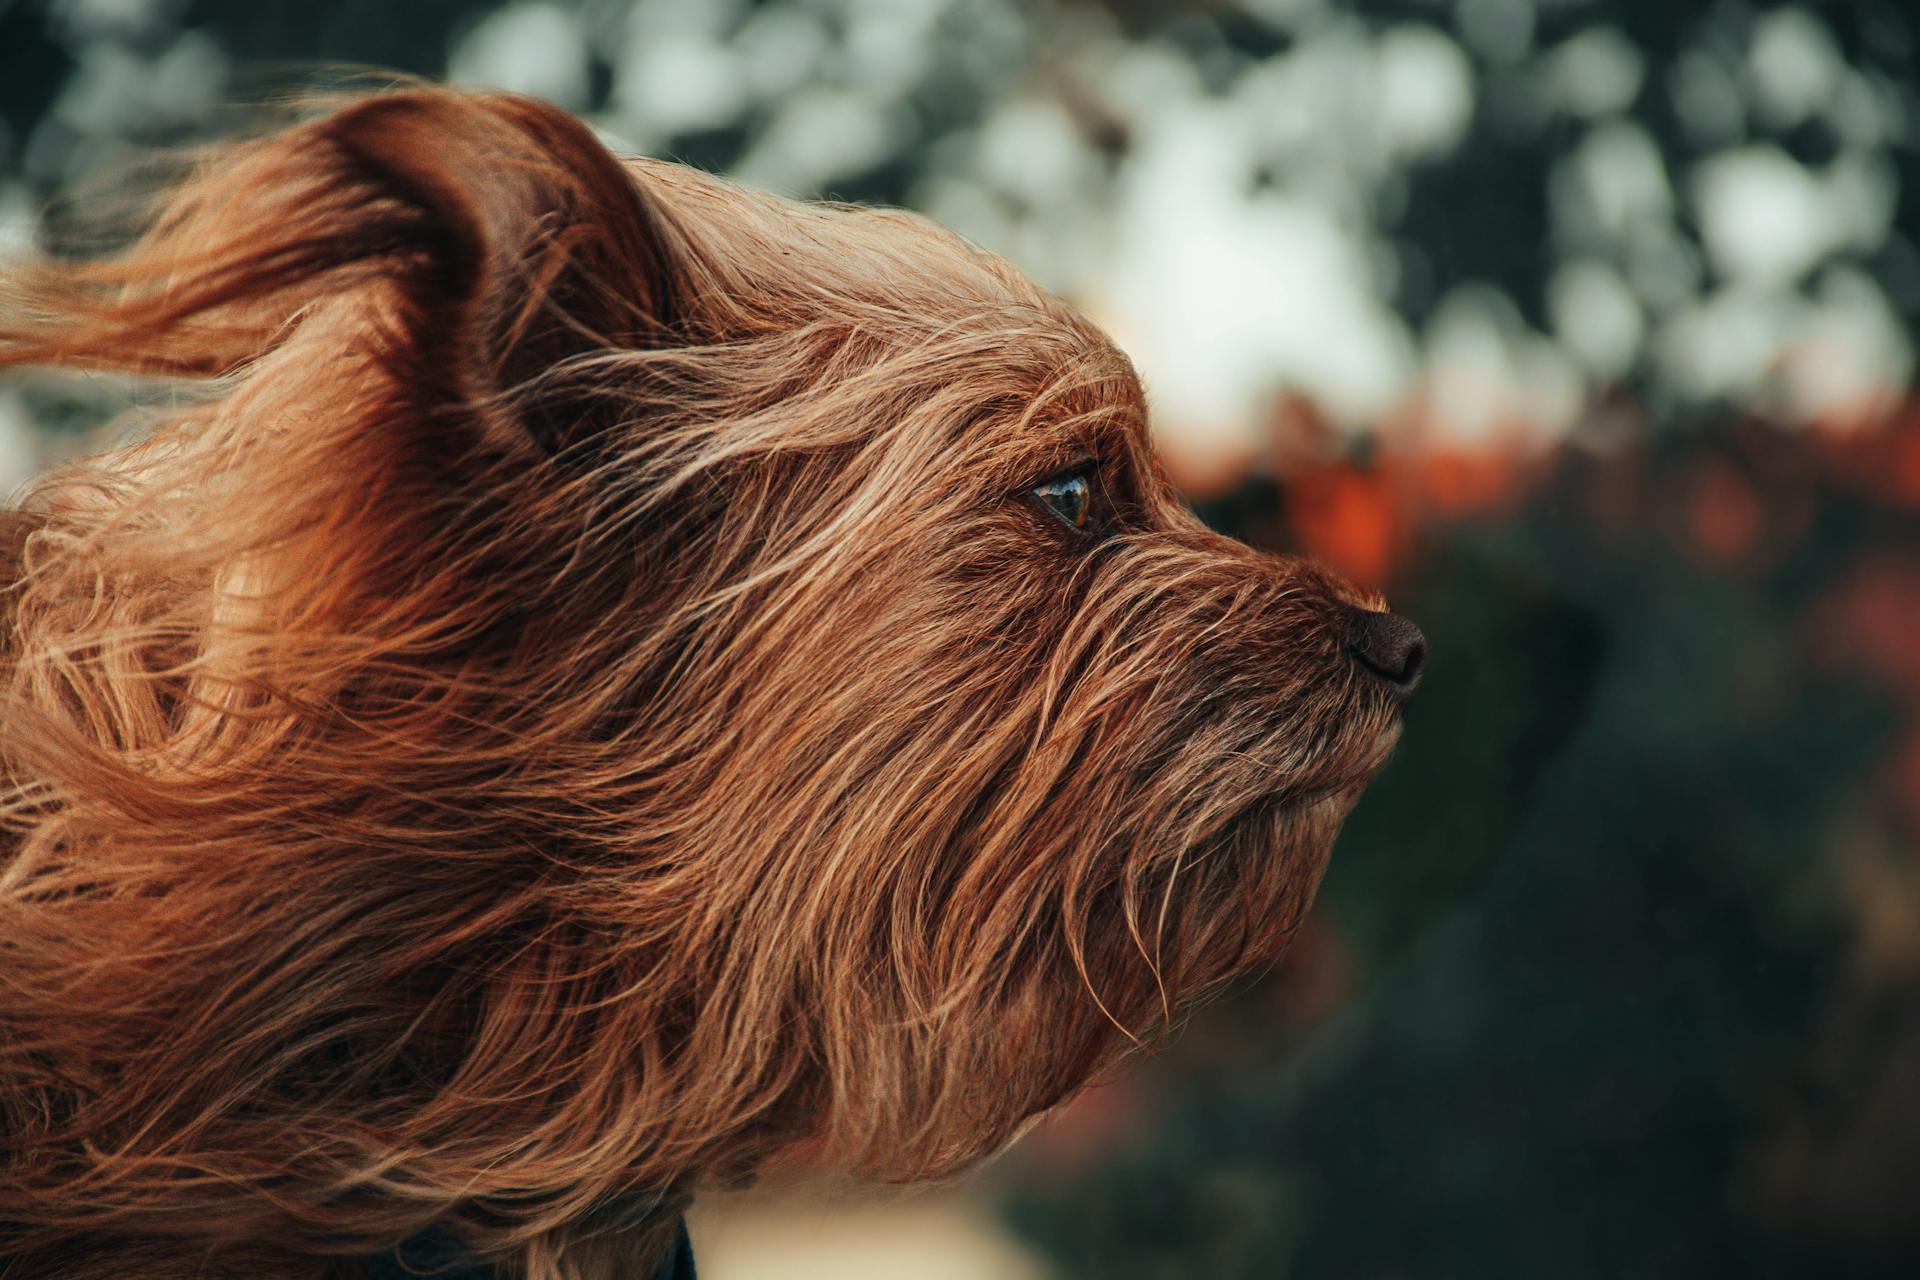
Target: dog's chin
1314	822
1378	739
1385	739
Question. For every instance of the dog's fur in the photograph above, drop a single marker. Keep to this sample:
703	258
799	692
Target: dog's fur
571	702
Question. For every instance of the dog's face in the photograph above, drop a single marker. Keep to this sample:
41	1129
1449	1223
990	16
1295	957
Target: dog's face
734	668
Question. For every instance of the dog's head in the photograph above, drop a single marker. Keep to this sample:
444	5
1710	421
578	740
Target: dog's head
623	680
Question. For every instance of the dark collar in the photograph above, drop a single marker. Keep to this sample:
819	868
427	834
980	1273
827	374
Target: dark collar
437	1254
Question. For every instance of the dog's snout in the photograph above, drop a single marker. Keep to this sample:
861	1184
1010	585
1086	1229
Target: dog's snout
1390	647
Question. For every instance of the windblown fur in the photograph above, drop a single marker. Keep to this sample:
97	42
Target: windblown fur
570	705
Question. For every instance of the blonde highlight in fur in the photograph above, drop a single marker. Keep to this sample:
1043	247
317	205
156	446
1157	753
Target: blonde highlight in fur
574	709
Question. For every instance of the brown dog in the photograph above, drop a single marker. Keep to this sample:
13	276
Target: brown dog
608	682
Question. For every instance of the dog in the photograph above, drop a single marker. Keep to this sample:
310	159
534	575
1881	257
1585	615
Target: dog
596	683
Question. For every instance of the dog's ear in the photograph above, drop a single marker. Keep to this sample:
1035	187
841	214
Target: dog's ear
494	235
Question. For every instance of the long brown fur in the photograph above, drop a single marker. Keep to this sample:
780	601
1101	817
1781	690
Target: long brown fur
569	704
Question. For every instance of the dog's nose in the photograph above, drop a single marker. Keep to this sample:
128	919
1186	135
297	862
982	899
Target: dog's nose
1390	647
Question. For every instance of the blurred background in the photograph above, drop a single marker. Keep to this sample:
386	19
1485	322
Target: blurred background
1583	329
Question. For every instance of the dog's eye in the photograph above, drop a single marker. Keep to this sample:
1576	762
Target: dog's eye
1068	496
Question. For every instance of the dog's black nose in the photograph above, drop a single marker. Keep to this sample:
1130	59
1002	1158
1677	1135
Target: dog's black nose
1390	647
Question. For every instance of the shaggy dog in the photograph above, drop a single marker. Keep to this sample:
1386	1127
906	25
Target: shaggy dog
600	683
